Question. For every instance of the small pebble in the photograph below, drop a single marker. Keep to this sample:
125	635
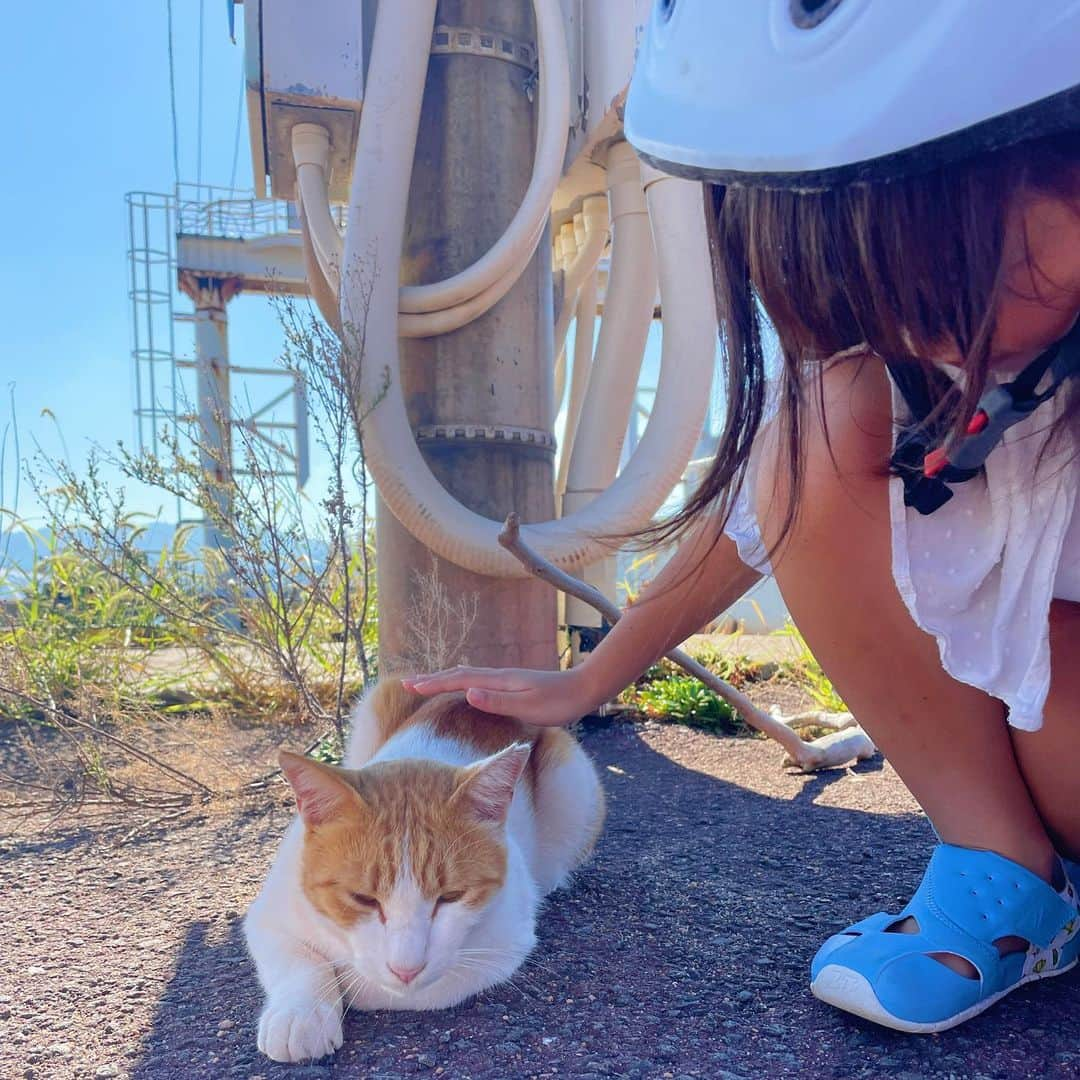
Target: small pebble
107	1070
744	996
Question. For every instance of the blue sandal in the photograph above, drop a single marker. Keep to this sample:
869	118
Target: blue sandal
1072	871
967	901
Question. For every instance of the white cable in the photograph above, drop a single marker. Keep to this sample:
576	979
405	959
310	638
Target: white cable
566	248
386	144
443	306
595	233
628	312
323	293
311	155
584	342
524	230
378	203
453	318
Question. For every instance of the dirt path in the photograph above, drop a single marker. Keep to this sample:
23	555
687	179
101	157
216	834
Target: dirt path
680	952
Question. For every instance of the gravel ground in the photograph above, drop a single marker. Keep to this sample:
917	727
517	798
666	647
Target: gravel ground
681	951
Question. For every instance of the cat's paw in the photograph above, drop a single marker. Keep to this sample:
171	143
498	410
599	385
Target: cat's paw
300	1030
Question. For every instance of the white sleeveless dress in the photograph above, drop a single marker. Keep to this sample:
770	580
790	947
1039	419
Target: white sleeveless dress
980	572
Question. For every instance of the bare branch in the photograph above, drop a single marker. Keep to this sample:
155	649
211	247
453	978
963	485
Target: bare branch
832	750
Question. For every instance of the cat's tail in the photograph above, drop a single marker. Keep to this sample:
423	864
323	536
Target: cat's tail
383	711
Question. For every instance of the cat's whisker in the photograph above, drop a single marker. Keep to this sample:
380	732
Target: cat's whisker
532	984
504	954
499	975
414	826
316	1004
533	963
500	953
356	980
513	984
327	987
466	972
473	965
345	986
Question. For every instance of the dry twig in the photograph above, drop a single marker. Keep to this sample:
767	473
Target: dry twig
837	748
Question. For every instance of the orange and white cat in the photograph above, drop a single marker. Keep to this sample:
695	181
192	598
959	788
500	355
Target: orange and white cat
412	876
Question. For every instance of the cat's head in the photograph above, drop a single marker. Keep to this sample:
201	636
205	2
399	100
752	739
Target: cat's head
405	857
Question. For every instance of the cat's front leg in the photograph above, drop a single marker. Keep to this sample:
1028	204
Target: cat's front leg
297	1029
302	1017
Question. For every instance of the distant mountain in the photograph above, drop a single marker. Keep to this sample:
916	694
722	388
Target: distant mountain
17	549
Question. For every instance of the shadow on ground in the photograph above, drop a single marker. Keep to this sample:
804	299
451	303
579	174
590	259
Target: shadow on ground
681	951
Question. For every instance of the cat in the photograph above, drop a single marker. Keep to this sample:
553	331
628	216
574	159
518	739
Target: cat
412	875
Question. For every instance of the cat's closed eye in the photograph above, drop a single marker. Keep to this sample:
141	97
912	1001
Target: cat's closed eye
449	898
366	901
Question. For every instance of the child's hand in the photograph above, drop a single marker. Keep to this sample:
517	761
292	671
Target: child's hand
543	698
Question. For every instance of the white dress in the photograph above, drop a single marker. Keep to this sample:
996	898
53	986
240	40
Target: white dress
980	572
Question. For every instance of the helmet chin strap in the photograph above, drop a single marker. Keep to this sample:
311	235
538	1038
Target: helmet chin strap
928	472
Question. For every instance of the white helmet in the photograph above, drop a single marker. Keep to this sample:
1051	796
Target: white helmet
813	93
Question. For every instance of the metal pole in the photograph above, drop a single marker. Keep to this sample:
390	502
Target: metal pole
210	295
473	162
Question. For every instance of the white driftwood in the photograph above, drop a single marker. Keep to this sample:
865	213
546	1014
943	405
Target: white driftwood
838	721
836	748
830	751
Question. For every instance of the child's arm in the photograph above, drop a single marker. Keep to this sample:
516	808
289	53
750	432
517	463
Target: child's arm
697	583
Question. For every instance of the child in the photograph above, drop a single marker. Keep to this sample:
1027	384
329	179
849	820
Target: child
898	187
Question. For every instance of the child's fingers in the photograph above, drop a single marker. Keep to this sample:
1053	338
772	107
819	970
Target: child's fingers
458	678
521	704
438	682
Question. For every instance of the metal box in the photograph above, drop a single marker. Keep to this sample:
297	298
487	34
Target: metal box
305	63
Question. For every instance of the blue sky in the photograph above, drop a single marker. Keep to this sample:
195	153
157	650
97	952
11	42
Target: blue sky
88	119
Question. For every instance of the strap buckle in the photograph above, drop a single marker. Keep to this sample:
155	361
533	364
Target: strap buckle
927	471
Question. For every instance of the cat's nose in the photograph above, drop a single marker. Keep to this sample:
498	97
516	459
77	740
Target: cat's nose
406	975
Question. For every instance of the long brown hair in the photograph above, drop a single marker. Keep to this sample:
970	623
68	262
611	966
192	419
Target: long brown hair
892	267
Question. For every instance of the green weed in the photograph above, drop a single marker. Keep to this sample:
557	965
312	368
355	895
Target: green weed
806	671
682	699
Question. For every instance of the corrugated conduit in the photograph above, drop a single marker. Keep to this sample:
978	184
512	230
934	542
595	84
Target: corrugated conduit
388	131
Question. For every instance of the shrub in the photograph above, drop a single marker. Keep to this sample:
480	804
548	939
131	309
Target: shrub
682	699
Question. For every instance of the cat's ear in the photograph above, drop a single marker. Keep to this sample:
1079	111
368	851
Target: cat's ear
489	786
322	792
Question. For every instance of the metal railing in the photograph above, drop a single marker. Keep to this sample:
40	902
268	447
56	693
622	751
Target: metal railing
206	210
162	409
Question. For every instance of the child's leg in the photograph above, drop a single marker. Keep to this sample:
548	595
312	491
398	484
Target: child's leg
1050	758
948	741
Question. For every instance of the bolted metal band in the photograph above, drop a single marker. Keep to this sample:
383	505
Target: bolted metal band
522	436
476	41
